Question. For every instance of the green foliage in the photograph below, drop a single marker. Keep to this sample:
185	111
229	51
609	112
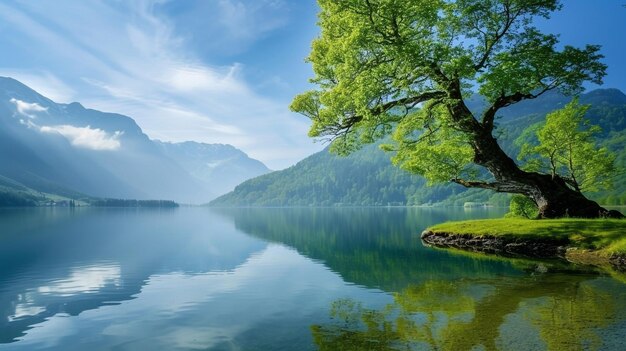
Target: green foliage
522	206
439	154
377	60
616	142
566	148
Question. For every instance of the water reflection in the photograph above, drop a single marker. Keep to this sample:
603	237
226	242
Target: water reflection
192	278
85	280
61	262
548	312
260	304
443	300
375	248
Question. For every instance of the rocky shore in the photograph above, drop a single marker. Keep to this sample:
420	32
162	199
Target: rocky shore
520	247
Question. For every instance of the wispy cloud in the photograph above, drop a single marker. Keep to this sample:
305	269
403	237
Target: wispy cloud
87	137
27	109
133	58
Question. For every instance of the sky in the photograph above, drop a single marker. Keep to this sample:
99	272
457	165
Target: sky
214	71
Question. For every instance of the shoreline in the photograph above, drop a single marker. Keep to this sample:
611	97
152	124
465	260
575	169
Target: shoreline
516	247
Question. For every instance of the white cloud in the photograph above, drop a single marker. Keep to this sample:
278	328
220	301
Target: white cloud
28	109
82	137
86	137
188	78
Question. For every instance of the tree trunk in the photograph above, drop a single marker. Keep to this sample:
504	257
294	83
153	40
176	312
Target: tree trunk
556	199
551	194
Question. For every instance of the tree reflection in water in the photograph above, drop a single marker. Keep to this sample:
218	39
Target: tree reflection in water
553	312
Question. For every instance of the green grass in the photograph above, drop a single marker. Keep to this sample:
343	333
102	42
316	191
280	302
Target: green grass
606	235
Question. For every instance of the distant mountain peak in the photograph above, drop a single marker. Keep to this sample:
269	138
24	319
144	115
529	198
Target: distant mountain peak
6	81
204	149
222	165
607	95
13	86
75	106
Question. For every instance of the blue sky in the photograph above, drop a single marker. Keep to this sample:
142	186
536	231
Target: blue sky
216	71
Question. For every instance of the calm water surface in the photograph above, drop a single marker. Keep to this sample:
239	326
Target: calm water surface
284	279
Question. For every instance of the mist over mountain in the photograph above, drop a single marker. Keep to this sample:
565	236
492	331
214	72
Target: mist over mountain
67	149
217	166
368	178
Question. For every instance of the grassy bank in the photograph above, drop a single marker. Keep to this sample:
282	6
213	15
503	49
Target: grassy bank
605	236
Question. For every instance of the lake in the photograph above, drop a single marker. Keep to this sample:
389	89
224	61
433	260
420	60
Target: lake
285	279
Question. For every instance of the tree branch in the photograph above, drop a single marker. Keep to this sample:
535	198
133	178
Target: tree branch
344	126
506	100
501	102
497	36
500	187
412	101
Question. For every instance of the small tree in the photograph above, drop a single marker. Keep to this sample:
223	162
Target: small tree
566	148
521	206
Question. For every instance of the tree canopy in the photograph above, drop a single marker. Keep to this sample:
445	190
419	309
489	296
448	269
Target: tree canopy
377	60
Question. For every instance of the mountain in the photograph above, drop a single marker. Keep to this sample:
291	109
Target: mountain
219	167
67	149
368	178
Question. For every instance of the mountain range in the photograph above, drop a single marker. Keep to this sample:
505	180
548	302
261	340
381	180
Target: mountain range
51	150
367	177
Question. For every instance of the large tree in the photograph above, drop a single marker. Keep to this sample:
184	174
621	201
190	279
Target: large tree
407	67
